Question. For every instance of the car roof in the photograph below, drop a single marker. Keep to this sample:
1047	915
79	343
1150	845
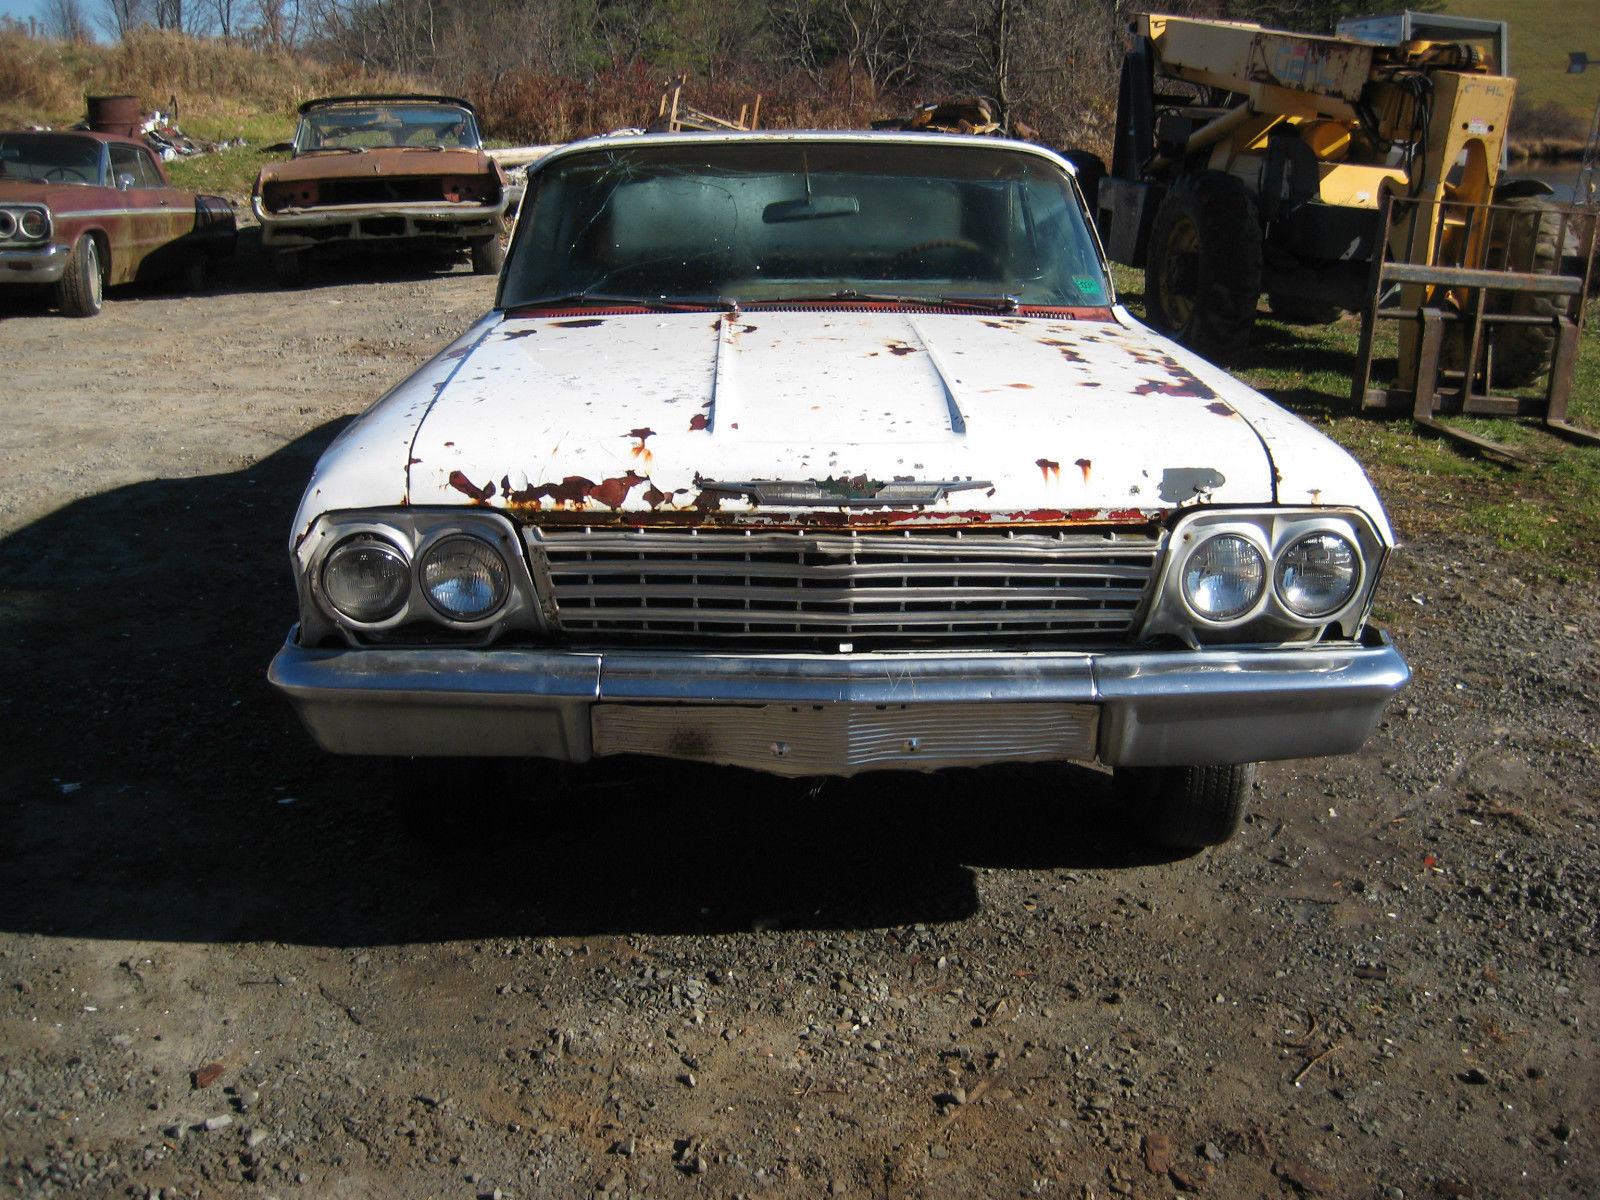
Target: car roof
385	97
110	138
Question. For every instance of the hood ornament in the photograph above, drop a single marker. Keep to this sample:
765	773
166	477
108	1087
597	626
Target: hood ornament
855	491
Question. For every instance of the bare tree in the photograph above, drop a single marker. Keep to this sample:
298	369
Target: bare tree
121	17
65	19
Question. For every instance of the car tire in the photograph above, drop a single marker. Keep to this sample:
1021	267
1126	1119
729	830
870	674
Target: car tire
290	267
1186	808
196	274
1300	310
1203	268
488	256
81	290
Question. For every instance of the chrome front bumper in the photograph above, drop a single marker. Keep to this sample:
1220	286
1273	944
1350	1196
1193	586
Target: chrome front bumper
36	264
295	228
839	714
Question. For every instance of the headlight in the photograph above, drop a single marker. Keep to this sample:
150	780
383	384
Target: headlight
366	579
34	225
465	578
1224	577
8	223
1317	575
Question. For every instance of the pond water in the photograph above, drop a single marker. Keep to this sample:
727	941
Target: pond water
1561	175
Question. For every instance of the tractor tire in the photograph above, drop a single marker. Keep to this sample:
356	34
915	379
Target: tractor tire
1300	310
1186	808
1523	243
1203	271
81	289
488	255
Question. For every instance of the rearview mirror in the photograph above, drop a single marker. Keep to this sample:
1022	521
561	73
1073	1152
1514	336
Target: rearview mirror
812	208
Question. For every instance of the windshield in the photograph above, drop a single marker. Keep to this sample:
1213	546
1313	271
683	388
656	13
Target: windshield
754	221
367	126
49	158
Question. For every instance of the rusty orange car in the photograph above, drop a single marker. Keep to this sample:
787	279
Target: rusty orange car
383	170
82	211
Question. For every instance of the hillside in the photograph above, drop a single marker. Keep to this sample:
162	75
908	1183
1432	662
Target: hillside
1543	34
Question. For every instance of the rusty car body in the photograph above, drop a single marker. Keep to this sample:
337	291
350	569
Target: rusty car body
81	211
822	453
386	169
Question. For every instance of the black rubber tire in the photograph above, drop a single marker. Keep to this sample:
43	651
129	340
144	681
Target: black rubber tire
196	274
290	268
1300	310
1203	270
1521	243
488	255
1187	808
80	290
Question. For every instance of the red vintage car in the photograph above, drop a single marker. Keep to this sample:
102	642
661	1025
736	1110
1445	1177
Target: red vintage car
83	211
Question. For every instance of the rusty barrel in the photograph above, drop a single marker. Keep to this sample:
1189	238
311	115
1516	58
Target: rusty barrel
115	114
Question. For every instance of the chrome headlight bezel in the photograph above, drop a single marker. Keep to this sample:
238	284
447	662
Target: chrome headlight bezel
13	219
1271	532
415	532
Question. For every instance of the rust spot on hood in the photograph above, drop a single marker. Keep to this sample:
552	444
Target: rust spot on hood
1049	468
641	451
577	491
1026	387
465	486
1084	465
698	422
900	349
580	323
1221	409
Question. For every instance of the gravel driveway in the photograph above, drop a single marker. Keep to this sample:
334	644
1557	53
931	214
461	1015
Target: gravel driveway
230	967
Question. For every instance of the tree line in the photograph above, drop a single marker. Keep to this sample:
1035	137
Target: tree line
1049	63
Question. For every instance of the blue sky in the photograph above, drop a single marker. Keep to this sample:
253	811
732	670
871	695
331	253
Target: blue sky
22	8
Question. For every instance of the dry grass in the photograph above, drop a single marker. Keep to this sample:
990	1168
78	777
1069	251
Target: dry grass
222	90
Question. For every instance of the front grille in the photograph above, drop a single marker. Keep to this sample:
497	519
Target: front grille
812	590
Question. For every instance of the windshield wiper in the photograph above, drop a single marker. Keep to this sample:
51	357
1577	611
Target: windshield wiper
612	300
439	148
335	150
851	295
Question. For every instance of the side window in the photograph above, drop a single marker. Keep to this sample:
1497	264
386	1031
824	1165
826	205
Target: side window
147	173
125	161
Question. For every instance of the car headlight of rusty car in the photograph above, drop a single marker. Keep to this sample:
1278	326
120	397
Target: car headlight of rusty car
1266	576
366	578
465	578
1224	577
1317	573
415	576
34	224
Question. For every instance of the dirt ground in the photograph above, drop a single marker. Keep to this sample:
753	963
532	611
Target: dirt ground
229	969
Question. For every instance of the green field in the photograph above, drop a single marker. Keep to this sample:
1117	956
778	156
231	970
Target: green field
1543	33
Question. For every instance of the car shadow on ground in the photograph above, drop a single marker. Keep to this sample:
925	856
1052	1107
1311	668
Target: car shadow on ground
156	788
248	272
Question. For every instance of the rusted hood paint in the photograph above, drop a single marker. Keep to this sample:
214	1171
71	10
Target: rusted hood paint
387	161
625	418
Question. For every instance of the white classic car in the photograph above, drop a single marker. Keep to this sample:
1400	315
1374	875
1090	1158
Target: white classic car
818	453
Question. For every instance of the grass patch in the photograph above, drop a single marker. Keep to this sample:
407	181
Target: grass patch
1542	34
1545	515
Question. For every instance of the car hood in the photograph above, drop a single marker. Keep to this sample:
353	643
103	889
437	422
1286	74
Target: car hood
980	418
61	197
387	161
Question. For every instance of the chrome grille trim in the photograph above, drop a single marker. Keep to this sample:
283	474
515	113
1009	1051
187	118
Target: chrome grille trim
807	589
